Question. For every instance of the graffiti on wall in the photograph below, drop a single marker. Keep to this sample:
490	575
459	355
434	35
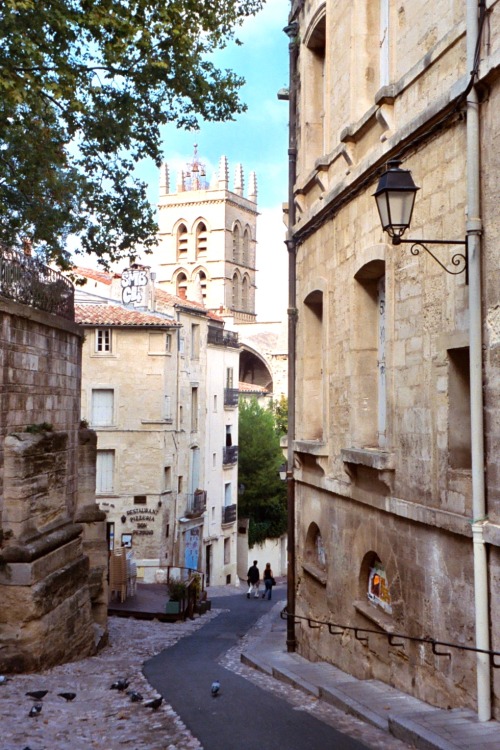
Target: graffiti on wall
133	282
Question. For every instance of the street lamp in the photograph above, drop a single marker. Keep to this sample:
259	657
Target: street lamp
395	198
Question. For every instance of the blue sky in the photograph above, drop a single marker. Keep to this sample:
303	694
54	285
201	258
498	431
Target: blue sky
258	139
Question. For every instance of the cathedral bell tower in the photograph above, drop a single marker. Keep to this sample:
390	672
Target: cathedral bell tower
207	239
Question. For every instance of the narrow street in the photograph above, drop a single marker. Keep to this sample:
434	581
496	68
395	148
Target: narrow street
243	715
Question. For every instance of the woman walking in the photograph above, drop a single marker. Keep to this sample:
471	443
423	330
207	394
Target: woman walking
268	581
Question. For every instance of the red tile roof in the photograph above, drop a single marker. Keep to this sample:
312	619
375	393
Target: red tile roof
171	299
90	273
251	388
115	315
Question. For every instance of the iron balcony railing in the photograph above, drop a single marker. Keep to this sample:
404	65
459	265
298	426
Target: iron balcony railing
222	338
229	454
229	514
197	502
27	280
231	396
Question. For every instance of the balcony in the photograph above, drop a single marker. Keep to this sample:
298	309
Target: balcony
231	396
196	503
27	280
229	514
229	455
220	337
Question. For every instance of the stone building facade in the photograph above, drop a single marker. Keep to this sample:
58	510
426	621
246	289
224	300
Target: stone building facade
155	390
53	556
383	449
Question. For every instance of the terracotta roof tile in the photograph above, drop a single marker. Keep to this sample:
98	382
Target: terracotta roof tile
251	388
115	315
90	273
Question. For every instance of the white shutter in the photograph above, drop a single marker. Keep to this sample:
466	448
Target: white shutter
105	470
102	407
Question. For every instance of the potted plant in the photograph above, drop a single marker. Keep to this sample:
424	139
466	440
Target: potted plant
177	594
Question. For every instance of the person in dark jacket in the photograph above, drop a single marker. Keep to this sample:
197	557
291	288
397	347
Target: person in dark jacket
253	579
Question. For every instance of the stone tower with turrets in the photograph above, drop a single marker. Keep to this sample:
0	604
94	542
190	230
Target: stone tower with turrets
207	238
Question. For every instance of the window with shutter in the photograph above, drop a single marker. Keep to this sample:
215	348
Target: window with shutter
105	470
102	407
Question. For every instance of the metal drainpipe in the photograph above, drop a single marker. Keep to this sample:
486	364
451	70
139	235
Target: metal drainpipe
291	30
476	379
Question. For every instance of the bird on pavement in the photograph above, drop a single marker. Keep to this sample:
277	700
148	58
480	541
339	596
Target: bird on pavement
154	703
120	685
215	688
67	696
37	694
35	709
134	696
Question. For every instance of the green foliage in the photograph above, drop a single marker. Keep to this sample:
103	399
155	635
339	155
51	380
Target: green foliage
36	429
176	589
263	500
280	413
85	86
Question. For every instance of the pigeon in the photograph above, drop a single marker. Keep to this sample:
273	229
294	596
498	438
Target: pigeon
35	709
134	697
37	694
67	696
4	679
215	688
154	703
120	685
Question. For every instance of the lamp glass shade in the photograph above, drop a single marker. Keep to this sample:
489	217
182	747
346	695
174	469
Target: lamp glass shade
395	197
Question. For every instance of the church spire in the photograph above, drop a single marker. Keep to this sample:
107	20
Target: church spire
238	180
164	179
223	173
252	187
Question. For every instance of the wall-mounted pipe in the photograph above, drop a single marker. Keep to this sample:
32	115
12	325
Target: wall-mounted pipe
474	226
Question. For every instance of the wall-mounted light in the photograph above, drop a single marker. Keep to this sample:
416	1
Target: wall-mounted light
282	471
395	197
123	519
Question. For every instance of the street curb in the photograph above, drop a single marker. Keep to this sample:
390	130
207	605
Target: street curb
413	733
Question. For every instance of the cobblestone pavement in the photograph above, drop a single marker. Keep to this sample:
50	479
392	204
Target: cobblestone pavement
103	719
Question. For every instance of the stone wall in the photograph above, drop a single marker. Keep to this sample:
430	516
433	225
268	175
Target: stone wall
383	438
52	536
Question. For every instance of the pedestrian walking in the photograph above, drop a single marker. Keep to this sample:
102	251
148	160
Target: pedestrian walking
269	581
253	579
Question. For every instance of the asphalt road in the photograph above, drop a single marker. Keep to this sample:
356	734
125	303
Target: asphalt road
243	716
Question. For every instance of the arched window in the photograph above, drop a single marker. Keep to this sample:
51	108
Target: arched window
201	239
182	241
245	294
235	302
314	548
236	244
181	285
246	248
374	582
312	366
202	281
369	381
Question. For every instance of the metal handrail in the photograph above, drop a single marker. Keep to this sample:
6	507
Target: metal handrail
336	629
25	279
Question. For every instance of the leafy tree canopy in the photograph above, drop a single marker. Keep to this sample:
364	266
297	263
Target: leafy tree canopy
280	412
263	499
85	86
